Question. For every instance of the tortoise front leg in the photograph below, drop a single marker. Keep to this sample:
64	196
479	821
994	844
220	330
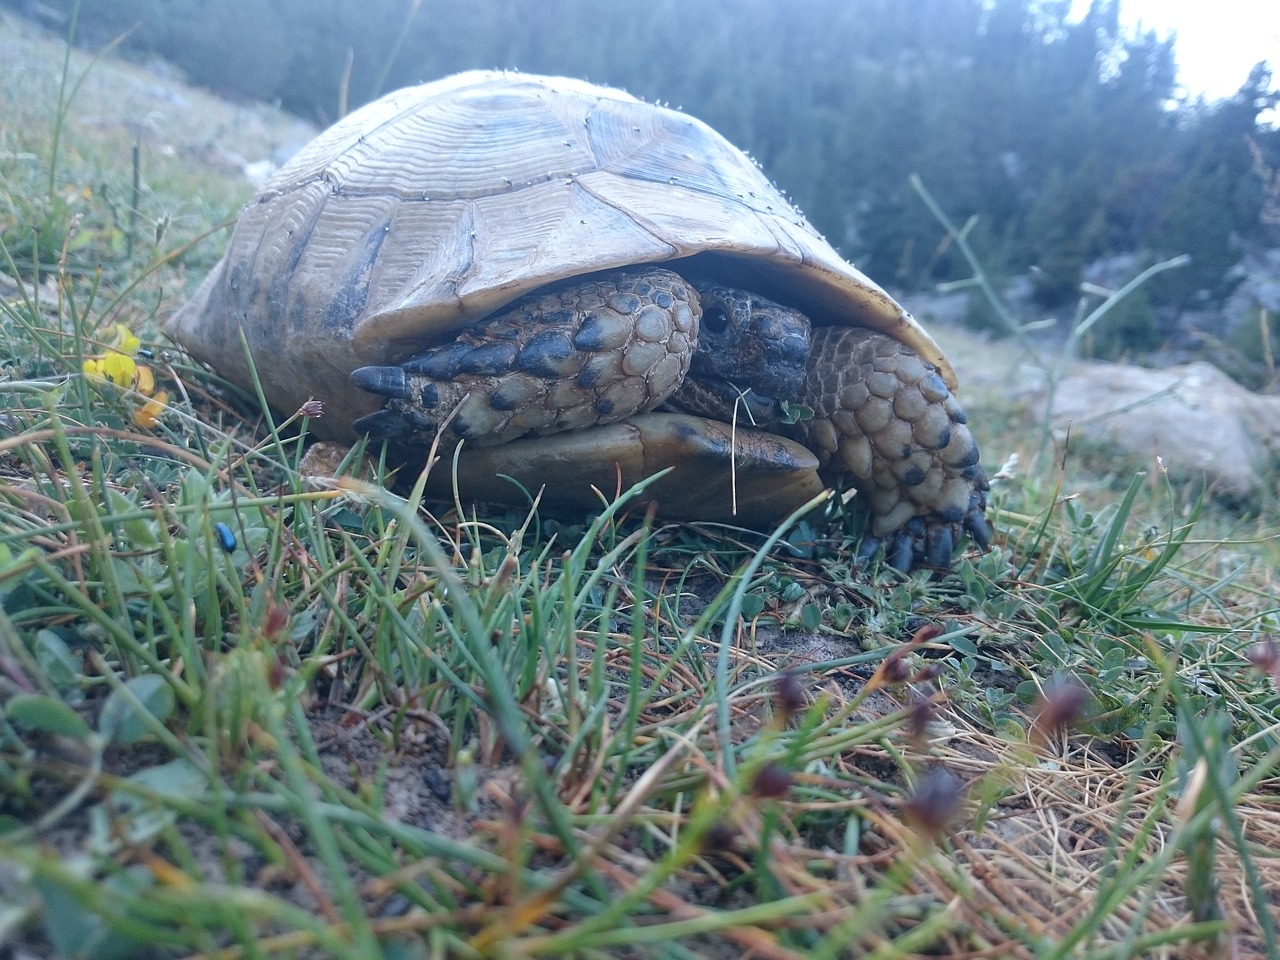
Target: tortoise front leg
885	417
596	352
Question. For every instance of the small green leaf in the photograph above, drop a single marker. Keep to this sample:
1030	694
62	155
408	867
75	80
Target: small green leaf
811	616
122	723
842	615
141	533
60	665
74	929
965	646
1028	691
177	778
792	591
348	519
752	605
46	714
795	412
139	818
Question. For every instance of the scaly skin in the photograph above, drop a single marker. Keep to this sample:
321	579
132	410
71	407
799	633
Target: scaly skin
885	418
603	350
593	353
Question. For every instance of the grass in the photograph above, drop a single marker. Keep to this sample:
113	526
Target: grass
248	712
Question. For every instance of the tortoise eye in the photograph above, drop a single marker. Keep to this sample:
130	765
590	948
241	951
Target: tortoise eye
715	320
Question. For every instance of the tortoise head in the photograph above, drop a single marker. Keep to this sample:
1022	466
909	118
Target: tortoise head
749	350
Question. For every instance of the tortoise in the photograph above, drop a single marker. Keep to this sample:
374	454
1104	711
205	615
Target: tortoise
584	289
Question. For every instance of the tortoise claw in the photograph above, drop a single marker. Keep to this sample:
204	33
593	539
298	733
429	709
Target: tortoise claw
382	425
900	552
903	548
978	527
867	548
439	363
390	382
386	424
939	545
926	541
975	522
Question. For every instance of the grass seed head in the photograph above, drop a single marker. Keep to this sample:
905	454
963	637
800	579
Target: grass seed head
935	802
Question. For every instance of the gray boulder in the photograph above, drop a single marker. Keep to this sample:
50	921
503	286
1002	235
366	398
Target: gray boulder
1194	417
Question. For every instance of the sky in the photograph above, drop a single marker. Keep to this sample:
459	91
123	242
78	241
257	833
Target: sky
1218	41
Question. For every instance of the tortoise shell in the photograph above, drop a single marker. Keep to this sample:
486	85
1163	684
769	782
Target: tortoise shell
439	204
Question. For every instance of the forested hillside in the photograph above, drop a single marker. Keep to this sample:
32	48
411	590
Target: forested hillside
1070	140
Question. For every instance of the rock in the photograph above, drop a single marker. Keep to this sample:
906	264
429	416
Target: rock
1115	271
931	308
1194	417
1259	286
16	290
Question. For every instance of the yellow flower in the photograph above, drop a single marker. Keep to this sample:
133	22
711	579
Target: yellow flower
124	340
144	380
118	366
147	416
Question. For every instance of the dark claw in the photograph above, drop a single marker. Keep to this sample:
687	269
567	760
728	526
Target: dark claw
981	486
384	381
382	425
939	546
439	363
978	528
489	359
867	548
392	425
927	541
900	551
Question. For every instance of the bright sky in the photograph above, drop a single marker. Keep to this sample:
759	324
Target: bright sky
1218	42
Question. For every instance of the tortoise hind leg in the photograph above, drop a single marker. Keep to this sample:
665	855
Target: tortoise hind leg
719	473
885	418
